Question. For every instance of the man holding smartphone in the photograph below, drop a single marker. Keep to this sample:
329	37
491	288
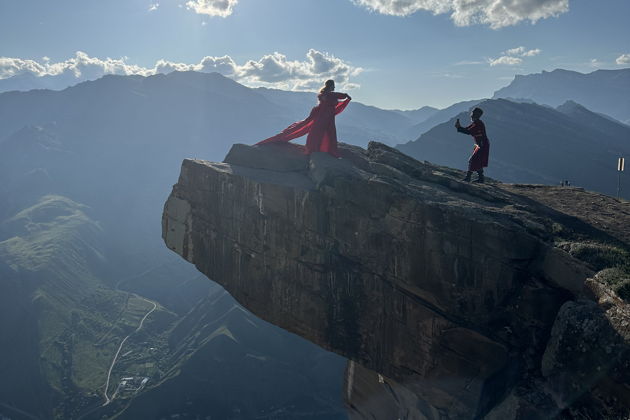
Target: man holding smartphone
479	158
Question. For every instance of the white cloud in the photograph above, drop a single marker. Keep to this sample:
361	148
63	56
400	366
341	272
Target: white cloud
406	7
272	70
81	66
495	13
224	65
154	7
468	63
531	53
221	8
276	70
515	51
15	66
522	51
623	59
512	57
454	76
595	63
505	60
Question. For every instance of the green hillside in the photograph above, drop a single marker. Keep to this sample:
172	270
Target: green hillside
65	314
73	320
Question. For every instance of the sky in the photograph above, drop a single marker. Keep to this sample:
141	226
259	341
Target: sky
400	54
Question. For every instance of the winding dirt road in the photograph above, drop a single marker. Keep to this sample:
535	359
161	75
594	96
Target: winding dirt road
111	367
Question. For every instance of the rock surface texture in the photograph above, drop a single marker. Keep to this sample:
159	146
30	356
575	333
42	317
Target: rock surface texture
452	300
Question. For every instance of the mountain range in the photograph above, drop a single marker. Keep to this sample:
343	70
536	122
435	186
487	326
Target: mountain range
27	81
439	117
605	91
83	175
531	143
84	172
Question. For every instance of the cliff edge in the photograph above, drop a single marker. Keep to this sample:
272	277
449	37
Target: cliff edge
452	300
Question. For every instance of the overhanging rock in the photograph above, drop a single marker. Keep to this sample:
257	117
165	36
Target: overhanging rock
448	288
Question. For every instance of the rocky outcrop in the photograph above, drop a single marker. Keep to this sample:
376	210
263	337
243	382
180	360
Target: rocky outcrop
457	298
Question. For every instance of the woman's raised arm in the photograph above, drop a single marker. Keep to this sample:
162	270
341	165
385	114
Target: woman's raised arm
339	95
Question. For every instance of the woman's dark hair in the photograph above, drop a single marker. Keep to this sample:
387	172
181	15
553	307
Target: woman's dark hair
329	86
477	112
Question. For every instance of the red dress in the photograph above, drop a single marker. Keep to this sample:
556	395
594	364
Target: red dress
320	125
479	158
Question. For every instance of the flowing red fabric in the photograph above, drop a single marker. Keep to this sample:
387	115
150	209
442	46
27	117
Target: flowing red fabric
319	125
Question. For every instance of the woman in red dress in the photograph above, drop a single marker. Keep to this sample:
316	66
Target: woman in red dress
320	124
479	158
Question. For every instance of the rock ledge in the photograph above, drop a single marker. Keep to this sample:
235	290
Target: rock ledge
458	295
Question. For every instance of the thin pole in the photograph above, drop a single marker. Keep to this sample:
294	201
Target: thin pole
620	167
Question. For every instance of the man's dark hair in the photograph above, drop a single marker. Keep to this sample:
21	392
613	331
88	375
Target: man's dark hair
477	112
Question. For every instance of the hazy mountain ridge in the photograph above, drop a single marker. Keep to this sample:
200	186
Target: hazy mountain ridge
25	82
439	117
599	122
99	159
109	150
418	115
606	91
215	99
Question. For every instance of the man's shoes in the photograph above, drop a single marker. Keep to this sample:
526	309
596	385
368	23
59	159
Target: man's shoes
466	178
480	179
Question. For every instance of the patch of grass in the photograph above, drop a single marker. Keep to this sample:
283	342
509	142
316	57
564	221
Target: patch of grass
601	256
55	250
618	280
623	291
613	263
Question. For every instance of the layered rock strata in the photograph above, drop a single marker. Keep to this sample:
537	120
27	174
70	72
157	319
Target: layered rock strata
459	299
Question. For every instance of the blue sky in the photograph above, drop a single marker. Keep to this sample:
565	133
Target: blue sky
383	59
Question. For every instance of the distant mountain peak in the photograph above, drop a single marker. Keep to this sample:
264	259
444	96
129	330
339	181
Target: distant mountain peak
569	105
536	144
602	91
